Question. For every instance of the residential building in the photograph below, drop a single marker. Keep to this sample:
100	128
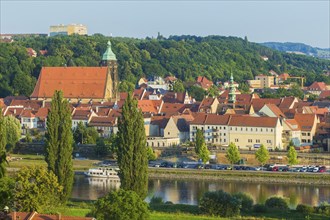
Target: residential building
203	82
265	81
308	124
250	132
70	29
209	105
317	87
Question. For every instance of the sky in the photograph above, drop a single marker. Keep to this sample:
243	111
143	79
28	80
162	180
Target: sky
300	21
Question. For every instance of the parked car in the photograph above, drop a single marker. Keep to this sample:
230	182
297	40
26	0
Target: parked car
275	168
316	169
322	169
303	169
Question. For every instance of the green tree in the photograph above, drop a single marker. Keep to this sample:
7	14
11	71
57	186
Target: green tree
151	154
292	156
7	186
262	155
85	135
178	86
59	143
121	205
126	86
200	140
13	128
232	154
36	189
132	150
3	163
204	153
3	135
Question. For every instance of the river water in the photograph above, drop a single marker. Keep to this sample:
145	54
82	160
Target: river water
190	191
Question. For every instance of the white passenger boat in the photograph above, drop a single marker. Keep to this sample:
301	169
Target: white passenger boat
105	172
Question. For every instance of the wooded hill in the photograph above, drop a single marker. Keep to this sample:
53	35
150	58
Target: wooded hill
186	57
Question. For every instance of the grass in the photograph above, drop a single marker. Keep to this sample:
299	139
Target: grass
39	160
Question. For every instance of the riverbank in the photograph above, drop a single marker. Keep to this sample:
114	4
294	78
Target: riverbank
246	176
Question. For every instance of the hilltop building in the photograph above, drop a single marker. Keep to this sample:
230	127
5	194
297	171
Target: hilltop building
67	29
80	84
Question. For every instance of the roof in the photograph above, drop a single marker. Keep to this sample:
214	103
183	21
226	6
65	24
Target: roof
2	103
284	76
108	54
306	121
275	110
42	112
210	119
27	113
172	108
318	86
174	97
148	106
161	121
75	82
324	94
36	216
247	121
81	114
103	121
287	102
31	104
204	82
206	102
259	103
292	124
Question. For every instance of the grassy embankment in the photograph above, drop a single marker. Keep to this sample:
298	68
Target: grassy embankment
187	212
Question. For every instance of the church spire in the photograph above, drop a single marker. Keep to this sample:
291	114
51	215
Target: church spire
108	54
232	89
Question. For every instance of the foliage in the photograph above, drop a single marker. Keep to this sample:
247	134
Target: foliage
220	203
276	203
151	154
292	156
232	154
204	153
200	140
156	200
28	138
186	57
305	209
126	86
175	208
7	191
36	189
3	163
13	128
262	155
59	143
121	205
259	208
197	92
85	135
178	86
323	208
132	151
245	199
3	135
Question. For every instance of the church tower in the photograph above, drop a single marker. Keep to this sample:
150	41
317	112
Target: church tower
232	91
109	59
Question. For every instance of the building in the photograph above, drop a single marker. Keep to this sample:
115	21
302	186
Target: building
317	87
203	82
250	132
80	84
67	29
265	81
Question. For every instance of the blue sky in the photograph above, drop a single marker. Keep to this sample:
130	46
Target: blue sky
261	21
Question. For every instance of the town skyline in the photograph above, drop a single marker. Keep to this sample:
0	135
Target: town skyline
293	21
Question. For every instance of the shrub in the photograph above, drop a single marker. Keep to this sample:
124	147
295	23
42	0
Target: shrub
121	205
259	208
305	209
220	203
323	208
156	200
276	203
169	203
175	208
246	201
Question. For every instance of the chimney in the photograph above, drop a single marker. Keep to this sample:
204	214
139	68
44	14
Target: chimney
175	95
97	109
14	111
43	103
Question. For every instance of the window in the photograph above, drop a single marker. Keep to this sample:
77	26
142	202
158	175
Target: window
256	129
257	140
224	134
271	130
250	140
208	127
241	129
224	140
269	141
231	129
251	129
168	133
267	129
235	129
261	129
246	129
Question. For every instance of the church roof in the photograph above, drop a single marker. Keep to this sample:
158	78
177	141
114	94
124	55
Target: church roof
75	82
108	54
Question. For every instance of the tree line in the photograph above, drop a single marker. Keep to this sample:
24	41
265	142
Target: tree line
186	57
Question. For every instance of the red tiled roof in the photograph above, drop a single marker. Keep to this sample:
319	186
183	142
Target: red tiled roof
318	86
32	104
275	110
172	108
306	121
42	113
284	76
75	82
102	121
174	97
147	106
246	121
259	103
287	102
204	82
210	119
13	111
81	114
2	103
293	124
27	113
324	94
206	102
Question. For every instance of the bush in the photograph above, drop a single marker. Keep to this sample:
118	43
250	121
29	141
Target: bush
169	203
276	203
246	201
305	209
121	205
259	208
175	208
220	203
156	200
323	208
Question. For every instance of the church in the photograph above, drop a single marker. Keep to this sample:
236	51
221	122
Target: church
80	84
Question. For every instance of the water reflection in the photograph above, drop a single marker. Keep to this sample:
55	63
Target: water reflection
190	191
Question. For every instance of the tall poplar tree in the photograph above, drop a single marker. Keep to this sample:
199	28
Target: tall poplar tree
132	150
200	140
59	143
3	140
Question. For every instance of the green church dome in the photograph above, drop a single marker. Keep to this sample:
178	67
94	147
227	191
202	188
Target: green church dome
108	54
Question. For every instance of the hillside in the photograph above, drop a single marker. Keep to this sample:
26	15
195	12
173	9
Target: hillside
299	48
186	57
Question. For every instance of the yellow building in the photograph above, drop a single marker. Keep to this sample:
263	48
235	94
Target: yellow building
67	29
265	81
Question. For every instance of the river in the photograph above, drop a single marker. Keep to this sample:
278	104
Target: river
190	191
